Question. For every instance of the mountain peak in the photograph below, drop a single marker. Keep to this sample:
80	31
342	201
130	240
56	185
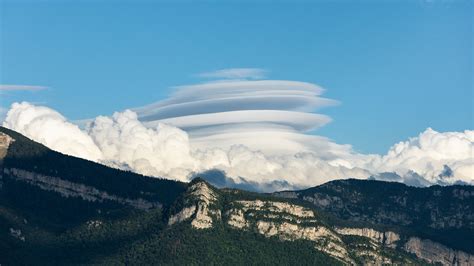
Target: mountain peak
199	202
198	179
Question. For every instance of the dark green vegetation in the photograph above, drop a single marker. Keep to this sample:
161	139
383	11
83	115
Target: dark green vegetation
442	214
183	245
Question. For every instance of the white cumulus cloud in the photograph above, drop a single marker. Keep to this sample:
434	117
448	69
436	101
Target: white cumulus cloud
160	151
123	141
50	128
429	154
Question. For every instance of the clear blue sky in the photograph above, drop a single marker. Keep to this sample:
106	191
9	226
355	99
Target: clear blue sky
397	67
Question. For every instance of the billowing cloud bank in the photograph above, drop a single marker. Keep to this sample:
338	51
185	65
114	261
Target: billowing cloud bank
443	158
122	140
254	131
50	128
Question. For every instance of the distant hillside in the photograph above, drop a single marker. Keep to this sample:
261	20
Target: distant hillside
444	214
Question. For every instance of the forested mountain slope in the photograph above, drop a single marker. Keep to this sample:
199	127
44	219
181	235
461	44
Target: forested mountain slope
57	209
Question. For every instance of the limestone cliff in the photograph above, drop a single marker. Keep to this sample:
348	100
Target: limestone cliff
388	238
5	141
436	253
70	189
273	218
199	200
282	220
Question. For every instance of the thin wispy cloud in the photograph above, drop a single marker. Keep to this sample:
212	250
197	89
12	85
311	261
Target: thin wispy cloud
235	73
12	87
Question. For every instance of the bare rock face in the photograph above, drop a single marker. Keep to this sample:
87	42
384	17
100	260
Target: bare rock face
388	238
290	222
203	218
16	233
236	219
288	231
205	197
71	189
5	142
282	220
202	198
285	221
277	207
242	210
94	224
184	214
436	253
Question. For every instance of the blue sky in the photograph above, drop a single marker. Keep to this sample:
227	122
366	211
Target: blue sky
396	67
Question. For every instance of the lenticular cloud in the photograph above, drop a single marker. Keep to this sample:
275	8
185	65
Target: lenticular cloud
254	113
254	131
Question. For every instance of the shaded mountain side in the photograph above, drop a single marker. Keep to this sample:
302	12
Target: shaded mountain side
443	214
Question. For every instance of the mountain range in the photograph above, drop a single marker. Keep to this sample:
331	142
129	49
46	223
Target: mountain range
58	209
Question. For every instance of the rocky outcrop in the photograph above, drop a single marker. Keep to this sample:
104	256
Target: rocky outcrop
16	233
5	142
269	210
290	222
276	207
205	197
436	253
202	197
282	220
333	245
184	214
285	221
94	224
236	219
71	189
388	238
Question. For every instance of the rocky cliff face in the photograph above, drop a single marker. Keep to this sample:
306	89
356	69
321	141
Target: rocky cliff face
204	208
63	187
199	206
436	253
5	141
388	238
29	166
70	189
